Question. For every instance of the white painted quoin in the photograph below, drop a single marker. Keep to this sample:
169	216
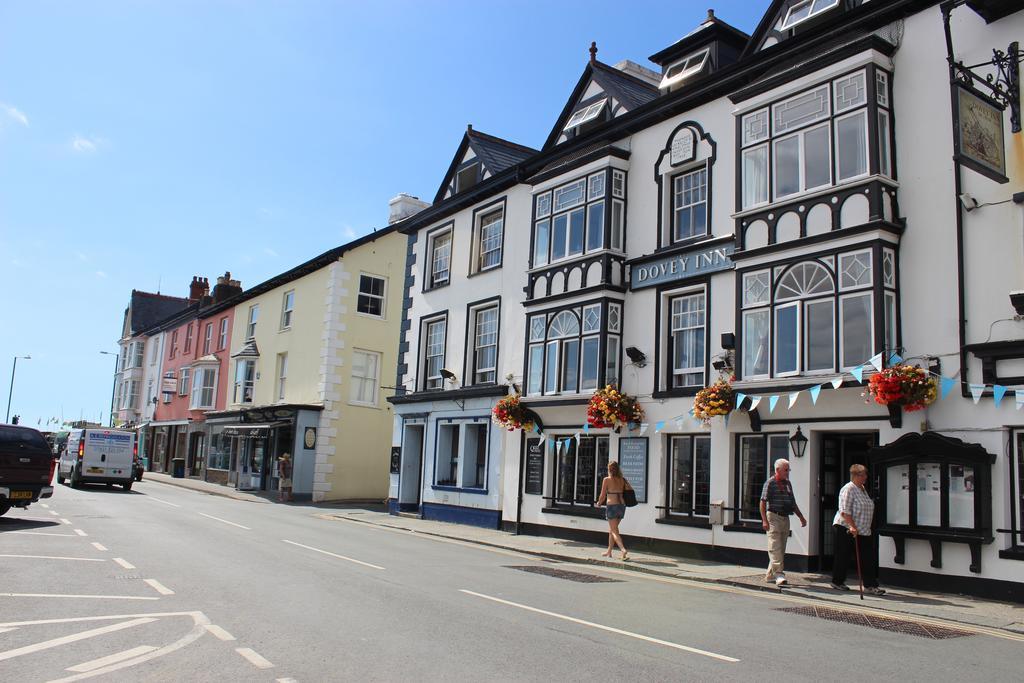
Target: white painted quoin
784	207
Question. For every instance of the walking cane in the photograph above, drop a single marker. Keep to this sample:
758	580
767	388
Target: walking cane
860	575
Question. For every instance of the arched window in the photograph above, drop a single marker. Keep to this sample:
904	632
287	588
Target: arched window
564	352
564	324
804	316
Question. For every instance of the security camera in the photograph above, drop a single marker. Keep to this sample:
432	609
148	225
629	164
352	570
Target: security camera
638	357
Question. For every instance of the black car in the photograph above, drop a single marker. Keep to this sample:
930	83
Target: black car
26	467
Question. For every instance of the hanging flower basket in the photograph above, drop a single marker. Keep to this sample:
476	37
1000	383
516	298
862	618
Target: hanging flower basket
609	408
509	413
906	386
716	399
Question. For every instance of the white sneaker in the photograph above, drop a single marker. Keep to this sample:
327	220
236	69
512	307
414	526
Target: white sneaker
781	580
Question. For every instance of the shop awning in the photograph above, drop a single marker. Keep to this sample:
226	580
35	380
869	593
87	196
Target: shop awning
248	429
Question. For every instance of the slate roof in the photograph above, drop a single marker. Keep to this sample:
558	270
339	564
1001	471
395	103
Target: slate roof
627	89
497	154
149	309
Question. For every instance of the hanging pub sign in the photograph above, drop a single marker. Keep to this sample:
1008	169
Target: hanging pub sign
534	467
169	385
978	121
633	462
648	271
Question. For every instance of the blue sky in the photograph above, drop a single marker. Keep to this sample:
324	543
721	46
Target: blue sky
142	143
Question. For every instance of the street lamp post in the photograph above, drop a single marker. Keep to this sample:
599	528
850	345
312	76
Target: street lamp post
113	386
10	392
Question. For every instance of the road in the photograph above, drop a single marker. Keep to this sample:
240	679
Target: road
168	584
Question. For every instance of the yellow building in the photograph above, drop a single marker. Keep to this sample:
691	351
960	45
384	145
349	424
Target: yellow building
311	349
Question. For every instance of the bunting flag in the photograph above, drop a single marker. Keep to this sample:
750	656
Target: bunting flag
895	359
837	382
976	391
947	384
754	402
793	397
998	391
679	421
1019	393
814	391
858	373
658	426
876	361
727	419
643	428
586	427
772	400
740	397
577	437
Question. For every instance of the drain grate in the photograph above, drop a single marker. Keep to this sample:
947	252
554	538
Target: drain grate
578	577
912	628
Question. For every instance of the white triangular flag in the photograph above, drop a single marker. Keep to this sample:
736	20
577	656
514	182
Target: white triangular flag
643	428
793	397
976	391
876	361
754	401
837	382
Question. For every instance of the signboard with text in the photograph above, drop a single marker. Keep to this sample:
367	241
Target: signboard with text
534	467
633	462
681	266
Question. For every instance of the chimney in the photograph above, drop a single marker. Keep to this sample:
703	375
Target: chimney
226	288
199	288
403	206
641	72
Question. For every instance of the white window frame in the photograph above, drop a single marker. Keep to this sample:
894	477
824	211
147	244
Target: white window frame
208	339
282	376
188	338
817	7
138	354
668	306
802	187
200	385
676	195
806	341
154	354
691	457
184	381
287	309
796	331
433	382
485	220
369	295
762	310
862	113
585	114
250	326
222	337
243	384
690	66
475	338
869	293
131	397
356	394
439	243
761	194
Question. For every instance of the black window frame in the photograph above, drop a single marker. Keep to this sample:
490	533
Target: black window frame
753	522
690	513
574	445
606	200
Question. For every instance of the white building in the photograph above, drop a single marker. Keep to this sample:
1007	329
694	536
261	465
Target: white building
793	208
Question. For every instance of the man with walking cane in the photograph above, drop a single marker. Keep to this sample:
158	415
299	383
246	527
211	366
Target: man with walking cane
852	532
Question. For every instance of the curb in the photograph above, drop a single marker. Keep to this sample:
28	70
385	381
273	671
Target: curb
883	607
227	493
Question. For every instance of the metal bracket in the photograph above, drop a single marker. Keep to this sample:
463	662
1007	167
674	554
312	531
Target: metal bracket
1003	86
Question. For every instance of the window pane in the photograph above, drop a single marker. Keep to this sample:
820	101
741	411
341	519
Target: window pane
755	343
586	471
753	474
565	452
884	164
890	321
592	318
559	243
702	475
786	339
473	474
855	270
682	475
596	186
595	226
533	384
617	225
820	338
570	195
551	368
817	158
687	329
961	496
486	354
690	205
787	166
856	312
591	363
576	231
614	317
570	364
537	327
611	369
543	205
800	110
755	288
851	146
850	91
490	240
540	245
755	127
755	176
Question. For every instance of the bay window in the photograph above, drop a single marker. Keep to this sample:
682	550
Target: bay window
564	349
573	219
204	387
805	131
245	379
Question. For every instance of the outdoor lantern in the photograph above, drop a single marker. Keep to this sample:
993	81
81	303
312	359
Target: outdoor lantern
798	443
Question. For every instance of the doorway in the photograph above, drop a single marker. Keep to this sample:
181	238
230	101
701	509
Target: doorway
838	453
411	471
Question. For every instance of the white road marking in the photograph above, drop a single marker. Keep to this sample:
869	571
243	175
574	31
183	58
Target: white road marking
5	630
54	513
159	587
38	533
254	658
219	632
57	642
80	532
286	680
86	597
173	505
55	557
197	617
45	506
225	521
65	520
340	557
99	546
574	620
123	563
112	659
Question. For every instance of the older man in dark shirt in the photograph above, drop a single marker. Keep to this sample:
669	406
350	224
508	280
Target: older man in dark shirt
777	504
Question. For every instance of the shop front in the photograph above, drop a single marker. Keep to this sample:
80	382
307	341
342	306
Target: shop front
167	444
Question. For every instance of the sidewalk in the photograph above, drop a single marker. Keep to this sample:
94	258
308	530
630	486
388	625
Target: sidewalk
1002	616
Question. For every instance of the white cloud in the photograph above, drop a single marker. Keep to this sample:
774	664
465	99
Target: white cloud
348	232
269	252
14	113
100	273
85	145
82	257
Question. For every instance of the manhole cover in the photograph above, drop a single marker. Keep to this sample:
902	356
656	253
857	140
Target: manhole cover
912	628
578	577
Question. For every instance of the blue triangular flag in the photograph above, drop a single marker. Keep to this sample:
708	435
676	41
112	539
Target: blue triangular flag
772	400
658	426
586	427
998	391
895	359
858	373
947	386
976	391
814	391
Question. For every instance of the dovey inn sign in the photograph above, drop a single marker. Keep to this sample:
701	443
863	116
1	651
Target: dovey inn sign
680	266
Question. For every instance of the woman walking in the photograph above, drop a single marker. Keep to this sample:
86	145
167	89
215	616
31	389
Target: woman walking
852	525
612	489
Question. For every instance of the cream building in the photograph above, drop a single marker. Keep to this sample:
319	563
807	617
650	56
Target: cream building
310	350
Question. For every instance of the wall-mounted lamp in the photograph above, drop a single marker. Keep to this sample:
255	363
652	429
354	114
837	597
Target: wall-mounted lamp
969	202
638	357
448	375
798	443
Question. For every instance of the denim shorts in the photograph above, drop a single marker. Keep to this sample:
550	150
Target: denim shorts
615	512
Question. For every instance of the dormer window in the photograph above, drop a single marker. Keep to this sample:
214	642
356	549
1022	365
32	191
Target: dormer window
586	114
467	177
684	69
802	11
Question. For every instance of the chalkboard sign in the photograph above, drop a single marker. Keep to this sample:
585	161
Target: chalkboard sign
633	462
534	467
396	459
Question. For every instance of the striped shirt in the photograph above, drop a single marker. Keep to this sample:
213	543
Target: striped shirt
854	501
778	493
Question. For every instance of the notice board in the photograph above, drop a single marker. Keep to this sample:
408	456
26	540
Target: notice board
633	462
534	467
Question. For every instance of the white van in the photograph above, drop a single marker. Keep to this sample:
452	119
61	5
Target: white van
103	456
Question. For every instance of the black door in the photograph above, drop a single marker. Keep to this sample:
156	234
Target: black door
838	453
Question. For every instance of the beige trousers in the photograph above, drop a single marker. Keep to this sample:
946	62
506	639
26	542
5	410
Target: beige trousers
778	534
